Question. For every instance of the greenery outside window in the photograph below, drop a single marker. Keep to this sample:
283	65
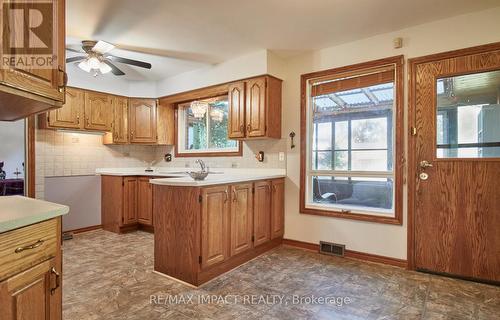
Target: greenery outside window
203	128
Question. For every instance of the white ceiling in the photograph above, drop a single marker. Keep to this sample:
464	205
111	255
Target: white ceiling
184	35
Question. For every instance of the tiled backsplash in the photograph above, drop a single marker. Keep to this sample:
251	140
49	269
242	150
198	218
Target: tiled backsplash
63	153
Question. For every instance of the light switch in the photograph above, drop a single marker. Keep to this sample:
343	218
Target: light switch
281	156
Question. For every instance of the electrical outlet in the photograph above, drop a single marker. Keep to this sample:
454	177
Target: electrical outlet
75	140
281	156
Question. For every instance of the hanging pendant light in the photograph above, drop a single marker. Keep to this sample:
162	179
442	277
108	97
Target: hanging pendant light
199	108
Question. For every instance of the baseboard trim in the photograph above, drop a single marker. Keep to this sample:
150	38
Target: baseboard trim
85	229
350	254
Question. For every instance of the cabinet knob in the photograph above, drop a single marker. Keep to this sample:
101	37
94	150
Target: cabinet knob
242	128
249	127
234	196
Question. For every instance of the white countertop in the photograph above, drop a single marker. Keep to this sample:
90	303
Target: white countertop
19	211
178	176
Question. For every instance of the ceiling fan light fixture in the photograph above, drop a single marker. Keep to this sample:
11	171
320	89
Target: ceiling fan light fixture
94	63
104	68
84	65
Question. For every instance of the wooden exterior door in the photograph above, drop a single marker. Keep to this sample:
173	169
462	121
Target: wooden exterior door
142	120
455	166
98	111
144	201
256	107
120	119
278	208
129	200
214	225
262	212
31	294
236	114
71	114
50	80
241	218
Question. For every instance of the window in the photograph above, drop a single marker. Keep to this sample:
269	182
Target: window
202	128
352	122
468	114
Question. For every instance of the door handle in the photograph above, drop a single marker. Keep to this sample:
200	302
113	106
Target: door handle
425	164
58	280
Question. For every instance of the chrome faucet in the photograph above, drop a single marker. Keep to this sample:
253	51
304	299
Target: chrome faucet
202	165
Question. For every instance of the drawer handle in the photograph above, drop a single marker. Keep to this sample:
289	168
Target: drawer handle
30	246
58	280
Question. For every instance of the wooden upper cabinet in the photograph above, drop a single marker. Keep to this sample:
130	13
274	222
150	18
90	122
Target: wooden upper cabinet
142	121
32	294
215	228
144	201
129	200
262	212
236	112
278	208
71	115
49	81
120	119
98	111
241	218
255	108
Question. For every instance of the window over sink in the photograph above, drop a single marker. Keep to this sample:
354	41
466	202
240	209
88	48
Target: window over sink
202	128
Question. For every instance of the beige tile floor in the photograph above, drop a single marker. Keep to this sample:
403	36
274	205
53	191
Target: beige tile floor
110	276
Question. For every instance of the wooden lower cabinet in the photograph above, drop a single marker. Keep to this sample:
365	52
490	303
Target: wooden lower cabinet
202	232
34	290
262	212
215	232
278	208
126	203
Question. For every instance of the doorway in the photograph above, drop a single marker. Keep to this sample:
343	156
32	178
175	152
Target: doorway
454	164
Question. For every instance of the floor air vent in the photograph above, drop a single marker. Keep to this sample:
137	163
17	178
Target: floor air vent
332	249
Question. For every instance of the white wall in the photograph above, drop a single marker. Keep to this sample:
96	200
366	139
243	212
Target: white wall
449	34
12	147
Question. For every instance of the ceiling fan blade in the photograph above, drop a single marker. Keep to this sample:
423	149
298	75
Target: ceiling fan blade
130	61
114	69
73	59
74	50
103	47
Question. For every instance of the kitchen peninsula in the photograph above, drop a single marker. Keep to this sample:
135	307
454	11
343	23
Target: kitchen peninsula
205	228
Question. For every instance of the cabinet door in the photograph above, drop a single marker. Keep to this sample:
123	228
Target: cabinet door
142	120
278	208
144	201
214	225
71	114
120	119
236	112
98	111
256	107
46	43
262	212
31	294
129	200
241	218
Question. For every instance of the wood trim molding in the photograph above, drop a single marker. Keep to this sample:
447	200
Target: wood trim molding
30	156
399	158
85	229
412	161
351	254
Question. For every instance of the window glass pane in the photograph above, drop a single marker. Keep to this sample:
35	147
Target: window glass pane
369	133
323	136
369	160
324	161
341	160
356	193
341	135
468	116
203	126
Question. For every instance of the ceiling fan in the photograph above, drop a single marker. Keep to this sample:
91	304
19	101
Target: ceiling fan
96	58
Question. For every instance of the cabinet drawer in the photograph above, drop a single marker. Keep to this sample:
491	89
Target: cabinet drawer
25	247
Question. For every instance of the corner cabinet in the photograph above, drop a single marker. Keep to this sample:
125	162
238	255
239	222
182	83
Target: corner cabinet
30	279
126	203
202	232
255	108
27	90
